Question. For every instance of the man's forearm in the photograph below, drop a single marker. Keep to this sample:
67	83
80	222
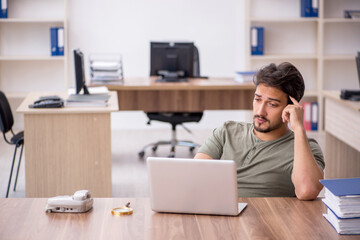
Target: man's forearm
306	173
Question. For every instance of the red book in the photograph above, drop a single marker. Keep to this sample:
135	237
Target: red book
307	115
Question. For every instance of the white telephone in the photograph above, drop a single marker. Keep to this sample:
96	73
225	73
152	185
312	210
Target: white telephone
81	201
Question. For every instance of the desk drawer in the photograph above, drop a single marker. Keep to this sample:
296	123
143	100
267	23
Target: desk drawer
185	100
342	122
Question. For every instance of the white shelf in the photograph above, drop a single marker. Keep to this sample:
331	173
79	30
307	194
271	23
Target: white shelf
31	58
284	57
341	20
26	63
31	20
284	20
339	57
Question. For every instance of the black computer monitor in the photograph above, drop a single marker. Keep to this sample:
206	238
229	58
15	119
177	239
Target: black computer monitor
173	61
79	72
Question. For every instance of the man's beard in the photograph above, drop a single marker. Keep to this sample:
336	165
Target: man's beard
269	128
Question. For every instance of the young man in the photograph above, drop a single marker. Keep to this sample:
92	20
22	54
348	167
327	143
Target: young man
271	159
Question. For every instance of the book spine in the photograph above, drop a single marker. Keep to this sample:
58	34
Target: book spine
305	8
53	41
315	8
4	8
257	41
307	115
314	116
60	41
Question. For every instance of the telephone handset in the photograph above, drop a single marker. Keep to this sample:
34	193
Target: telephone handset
81	201
48	102
81	195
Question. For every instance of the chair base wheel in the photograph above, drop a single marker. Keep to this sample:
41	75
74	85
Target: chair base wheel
154	148
191	149
141	154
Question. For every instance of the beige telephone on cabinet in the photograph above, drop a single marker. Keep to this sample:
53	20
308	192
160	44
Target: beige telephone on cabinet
81	201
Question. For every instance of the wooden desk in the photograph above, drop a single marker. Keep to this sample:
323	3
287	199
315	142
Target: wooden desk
263	218
67	149
342	126
196	95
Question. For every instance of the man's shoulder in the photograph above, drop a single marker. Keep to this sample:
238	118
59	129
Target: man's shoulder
313	144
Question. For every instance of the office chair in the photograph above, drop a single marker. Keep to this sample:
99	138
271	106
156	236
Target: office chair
176	118
6	123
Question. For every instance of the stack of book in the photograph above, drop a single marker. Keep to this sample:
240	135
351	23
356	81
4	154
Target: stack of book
342	198
98	97
311	116
83	100
106	68
245	77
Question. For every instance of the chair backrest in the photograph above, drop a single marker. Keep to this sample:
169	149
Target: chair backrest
6	117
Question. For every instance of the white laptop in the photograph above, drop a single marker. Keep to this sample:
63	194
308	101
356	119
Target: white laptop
195	186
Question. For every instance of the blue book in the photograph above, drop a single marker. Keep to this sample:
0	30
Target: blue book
314	116
257	41
3	8
342	187
314	8
306	8
343	225
53	41
60	41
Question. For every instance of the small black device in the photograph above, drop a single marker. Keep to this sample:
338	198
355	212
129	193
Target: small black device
352	95
174	61
79	72
48	102
352	14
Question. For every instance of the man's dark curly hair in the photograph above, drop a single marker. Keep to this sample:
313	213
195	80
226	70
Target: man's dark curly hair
285	77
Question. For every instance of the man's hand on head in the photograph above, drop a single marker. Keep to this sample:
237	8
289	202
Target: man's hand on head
293	113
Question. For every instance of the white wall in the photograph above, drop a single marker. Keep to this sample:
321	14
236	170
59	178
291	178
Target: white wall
128	26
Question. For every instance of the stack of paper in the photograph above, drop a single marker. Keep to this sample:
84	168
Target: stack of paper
106	67
342	197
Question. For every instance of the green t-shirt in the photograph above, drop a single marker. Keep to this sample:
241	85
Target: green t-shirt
263	167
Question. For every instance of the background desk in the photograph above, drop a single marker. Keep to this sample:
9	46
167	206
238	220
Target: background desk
67	149
342	126
193	96
263	218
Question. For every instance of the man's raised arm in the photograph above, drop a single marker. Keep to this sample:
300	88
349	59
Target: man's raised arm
306	172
